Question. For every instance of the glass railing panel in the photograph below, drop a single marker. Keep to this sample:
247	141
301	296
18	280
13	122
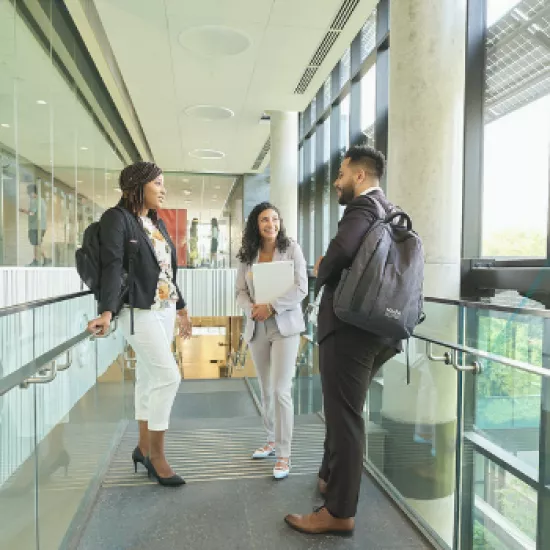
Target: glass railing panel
505	508
17	438
55	437
508	400
81	418
18	527
56	323
307	392
441	322
411	437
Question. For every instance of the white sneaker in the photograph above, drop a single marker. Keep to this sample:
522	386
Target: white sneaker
264	452
282	468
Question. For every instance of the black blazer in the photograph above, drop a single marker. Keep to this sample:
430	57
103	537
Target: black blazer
114	239
357	219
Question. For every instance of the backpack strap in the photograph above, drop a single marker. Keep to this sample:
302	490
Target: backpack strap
380	210
132	247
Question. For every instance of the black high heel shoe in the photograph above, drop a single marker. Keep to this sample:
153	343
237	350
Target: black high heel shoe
174	481
137	456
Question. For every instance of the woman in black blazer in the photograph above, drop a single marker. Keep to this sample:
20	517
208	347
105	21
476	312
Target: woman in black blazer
156	298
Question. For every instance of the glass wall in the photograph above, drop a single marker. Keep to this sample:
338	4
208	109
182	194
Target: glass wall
197	216
58	168
516	141
325	134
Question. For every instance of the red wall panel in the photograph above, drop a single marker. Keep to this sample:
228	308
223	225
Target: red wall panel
176	223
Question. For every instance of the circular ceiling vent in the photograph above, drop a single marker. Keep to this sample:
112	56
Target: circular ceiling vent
209	112
214	41
207	154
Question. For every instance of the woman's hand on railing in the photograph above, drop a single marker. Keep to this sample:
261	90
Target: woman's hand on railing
100	325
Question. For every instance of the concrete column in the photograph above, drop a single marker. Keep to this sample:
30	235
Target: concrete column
284	168
425	154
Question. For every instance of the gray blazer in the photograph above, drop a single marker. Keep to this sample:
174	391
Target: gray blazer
288	311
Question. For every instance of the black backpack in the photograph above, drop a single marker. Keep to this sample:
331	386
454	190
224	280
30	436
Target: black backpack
381	292
88	263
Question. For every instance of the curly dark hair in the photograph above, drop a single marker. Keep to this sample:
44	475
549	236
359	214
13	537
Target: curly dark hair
251	236
132	180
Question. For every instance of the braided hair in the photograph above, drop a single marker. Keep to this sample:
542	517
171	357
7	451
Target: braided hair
132	180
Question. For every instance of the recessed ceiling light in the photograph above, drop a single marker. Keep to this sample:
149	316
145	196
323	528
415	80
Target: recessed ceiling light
209	112
78	181
4	125
186	192
42	102
84	148
185	180
217	187
214	41
207	154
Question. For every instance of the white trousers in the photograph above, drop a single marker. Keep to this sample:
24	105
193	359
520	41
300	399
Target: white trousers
157	373
274	357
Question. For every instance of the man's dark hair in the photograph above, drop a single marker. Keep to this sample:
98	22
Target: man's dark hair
372	161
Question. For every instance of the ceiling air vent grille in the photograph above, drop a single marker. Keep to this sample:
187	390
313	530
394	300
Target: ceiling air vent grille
263	153
339	22
324	48
307	77
343	15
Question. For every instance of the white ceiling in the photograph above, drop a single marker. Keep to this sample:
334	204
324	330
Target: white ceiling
165	78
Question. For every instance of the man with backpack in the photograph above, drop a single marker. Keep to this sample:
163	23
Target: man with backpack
350	356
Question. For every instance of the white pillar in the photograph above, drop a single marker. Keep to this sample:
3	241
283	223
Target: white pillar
283	191
425	127
425	154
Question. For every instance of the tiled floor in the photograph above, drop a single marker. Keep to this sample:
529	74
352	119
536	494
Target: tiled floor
230	501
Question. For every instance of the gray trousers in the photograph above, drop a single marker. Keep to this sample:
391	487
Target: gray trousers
274	357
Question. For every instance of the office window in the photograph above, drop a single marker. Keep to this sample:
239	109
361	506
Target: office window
516	144
345	67
311	202
344	123
328	183
368	104
368	36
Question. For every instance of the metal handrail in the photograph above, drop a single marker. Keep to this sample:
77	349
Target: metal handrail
45	365
27	306
477	305
451	358
493	307
520	365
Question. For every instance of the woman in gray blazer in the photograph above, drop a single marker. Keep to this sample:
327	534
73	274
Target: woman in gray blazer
272	330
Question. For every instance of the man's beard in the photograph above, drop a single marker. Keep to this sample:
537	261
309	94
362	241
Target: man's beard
346	196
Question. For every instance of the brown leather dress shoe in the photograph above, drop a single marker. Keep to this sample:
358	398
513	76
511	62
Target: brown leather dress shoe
321	522
322	484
